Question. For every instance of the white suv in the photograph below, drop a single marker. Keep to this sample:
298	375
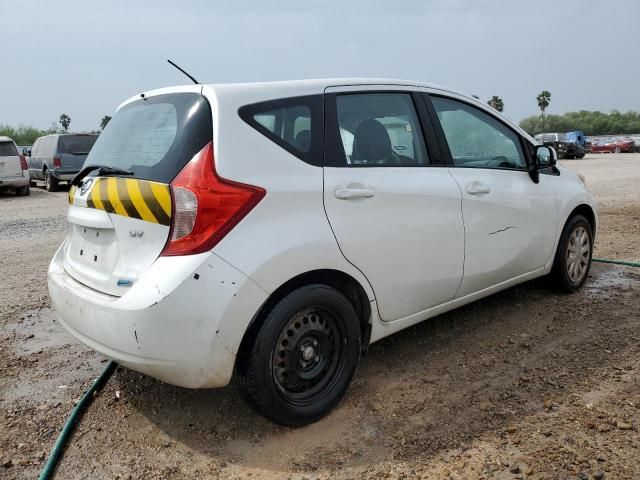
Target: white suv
14	171
270	232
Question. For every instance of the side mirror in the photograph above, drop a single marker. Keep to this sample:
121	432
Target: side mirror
544	156
26	152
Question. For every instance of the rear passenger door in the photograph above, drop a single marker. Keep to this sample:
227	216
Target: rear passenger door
393	206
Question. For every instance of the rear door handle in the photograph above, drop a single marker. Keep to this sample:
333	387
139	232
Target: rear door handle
348	193
478	188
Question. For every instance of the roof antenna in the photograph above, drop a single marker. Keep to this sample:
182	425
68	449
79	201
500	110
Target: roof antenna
192	79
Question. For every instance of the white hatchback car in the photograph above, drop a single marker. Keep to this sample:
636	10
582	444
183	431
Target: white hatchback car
270	232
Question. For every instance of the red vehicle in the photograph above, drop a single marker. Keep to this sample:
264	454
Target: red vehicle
613	146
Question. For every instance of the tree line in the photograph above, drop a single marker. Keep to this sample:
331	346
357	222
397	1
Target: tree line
591	123
26	135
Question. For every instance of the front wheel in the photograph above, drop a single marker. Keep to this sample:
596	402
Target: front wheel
617	150
573	257
303	357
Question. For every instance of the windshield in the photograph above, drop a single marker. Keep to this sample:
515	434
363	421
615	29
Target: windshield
155	137
76	144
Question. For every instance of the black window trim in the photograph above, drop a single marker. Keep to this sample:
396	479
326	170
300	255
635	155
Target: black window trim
444	145
334	154
313	102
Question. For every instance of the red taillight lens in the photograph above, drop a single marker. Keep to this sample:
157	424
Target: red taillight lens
205	206
23	163
56	162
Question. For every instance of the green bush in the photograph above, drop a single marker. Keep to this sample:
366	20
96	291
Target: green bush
591	123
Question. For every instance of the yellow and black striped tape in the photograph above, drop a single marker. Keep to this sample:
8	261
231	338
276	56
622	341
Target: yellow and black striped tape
141	199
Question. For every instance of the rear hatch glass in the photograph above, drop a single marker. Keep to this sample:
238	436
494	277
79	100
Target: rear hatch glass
73	150
76	144
120	223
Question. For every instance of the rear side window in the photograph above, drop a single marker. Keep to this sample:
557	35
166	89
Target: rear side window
294	123
155	137
8	149
76	144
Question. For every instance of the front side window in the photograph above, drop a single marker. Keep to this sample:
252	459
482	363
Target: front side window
477	139
380	130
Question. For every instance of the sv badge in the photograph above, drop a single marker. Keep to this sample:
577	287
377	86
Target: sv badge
136	233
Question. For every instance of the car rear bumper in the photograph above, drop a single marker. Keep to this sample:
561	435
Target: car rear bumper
11	182
181	323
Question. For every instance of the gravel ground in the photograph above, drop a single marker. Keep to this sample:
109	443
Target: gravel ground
524	384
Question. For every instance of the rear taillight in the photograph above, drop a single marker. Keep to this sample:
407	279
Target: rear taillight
205	206
56	162
23	163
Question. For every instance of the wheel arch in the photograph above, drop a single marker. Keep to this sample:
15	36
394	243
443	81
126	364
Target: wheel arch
587	212
337	279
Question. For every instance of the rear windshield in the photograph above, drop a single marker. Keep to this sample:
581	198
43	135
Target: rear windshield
76	144
155	137
8	149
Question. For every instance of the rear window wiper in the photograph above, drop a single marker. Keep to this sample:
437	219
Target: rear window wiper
98	170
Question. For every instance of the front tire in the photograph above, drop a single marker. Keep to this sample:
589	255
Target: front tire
573	257
303	357
50	183
617	150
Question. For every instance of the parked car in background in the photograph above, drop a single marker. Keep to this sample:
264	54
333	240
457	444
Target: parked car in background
563	144
24	150
613	146
318	217
14	173
57	158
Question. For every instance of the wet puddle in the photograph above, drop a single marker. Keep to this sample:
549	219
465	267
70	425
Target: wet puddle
604	278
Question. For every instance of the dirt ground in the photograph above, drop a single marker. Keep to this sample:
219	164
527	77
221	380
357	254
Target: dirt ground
524	384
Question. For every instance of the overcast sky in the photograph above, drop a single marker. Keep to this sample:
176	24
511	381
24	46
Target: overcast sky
84	57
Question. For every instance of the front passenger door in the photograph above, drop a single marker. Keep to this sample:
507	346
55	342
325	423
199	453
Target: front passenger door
510	221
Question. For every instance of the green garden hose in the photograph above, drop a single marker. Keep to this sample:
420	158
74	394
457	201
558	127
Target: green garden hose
617	262
76	413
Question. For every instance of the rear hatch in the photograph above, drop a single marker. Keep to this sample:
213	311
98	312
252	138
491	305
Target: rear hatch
9	160
121	205
73	151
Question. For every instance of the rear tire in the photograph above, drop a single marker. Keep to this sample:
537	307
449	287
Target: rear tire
303	357
23	191
573	258
50	183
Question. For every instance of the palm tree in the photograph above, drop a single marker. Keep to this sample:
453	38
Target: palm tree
496	103
105	120
544	99
65	121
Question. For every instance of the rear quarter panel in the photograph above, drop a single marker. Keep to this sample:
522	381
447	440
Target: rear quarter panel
287	233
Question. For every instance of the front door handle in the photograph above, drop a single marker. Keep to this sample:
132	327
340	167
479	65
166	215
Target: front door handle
478	188
348	193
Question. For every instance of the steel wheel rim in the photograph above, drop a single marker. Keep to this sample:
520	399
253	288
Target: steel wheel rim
578	254
309	356
47	180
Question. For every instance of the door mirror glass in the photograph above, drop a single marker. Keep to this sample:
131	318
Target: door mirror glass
545	156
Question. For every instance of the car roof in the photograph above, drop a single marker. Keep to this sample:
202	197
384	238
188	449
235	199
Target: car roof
6	139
